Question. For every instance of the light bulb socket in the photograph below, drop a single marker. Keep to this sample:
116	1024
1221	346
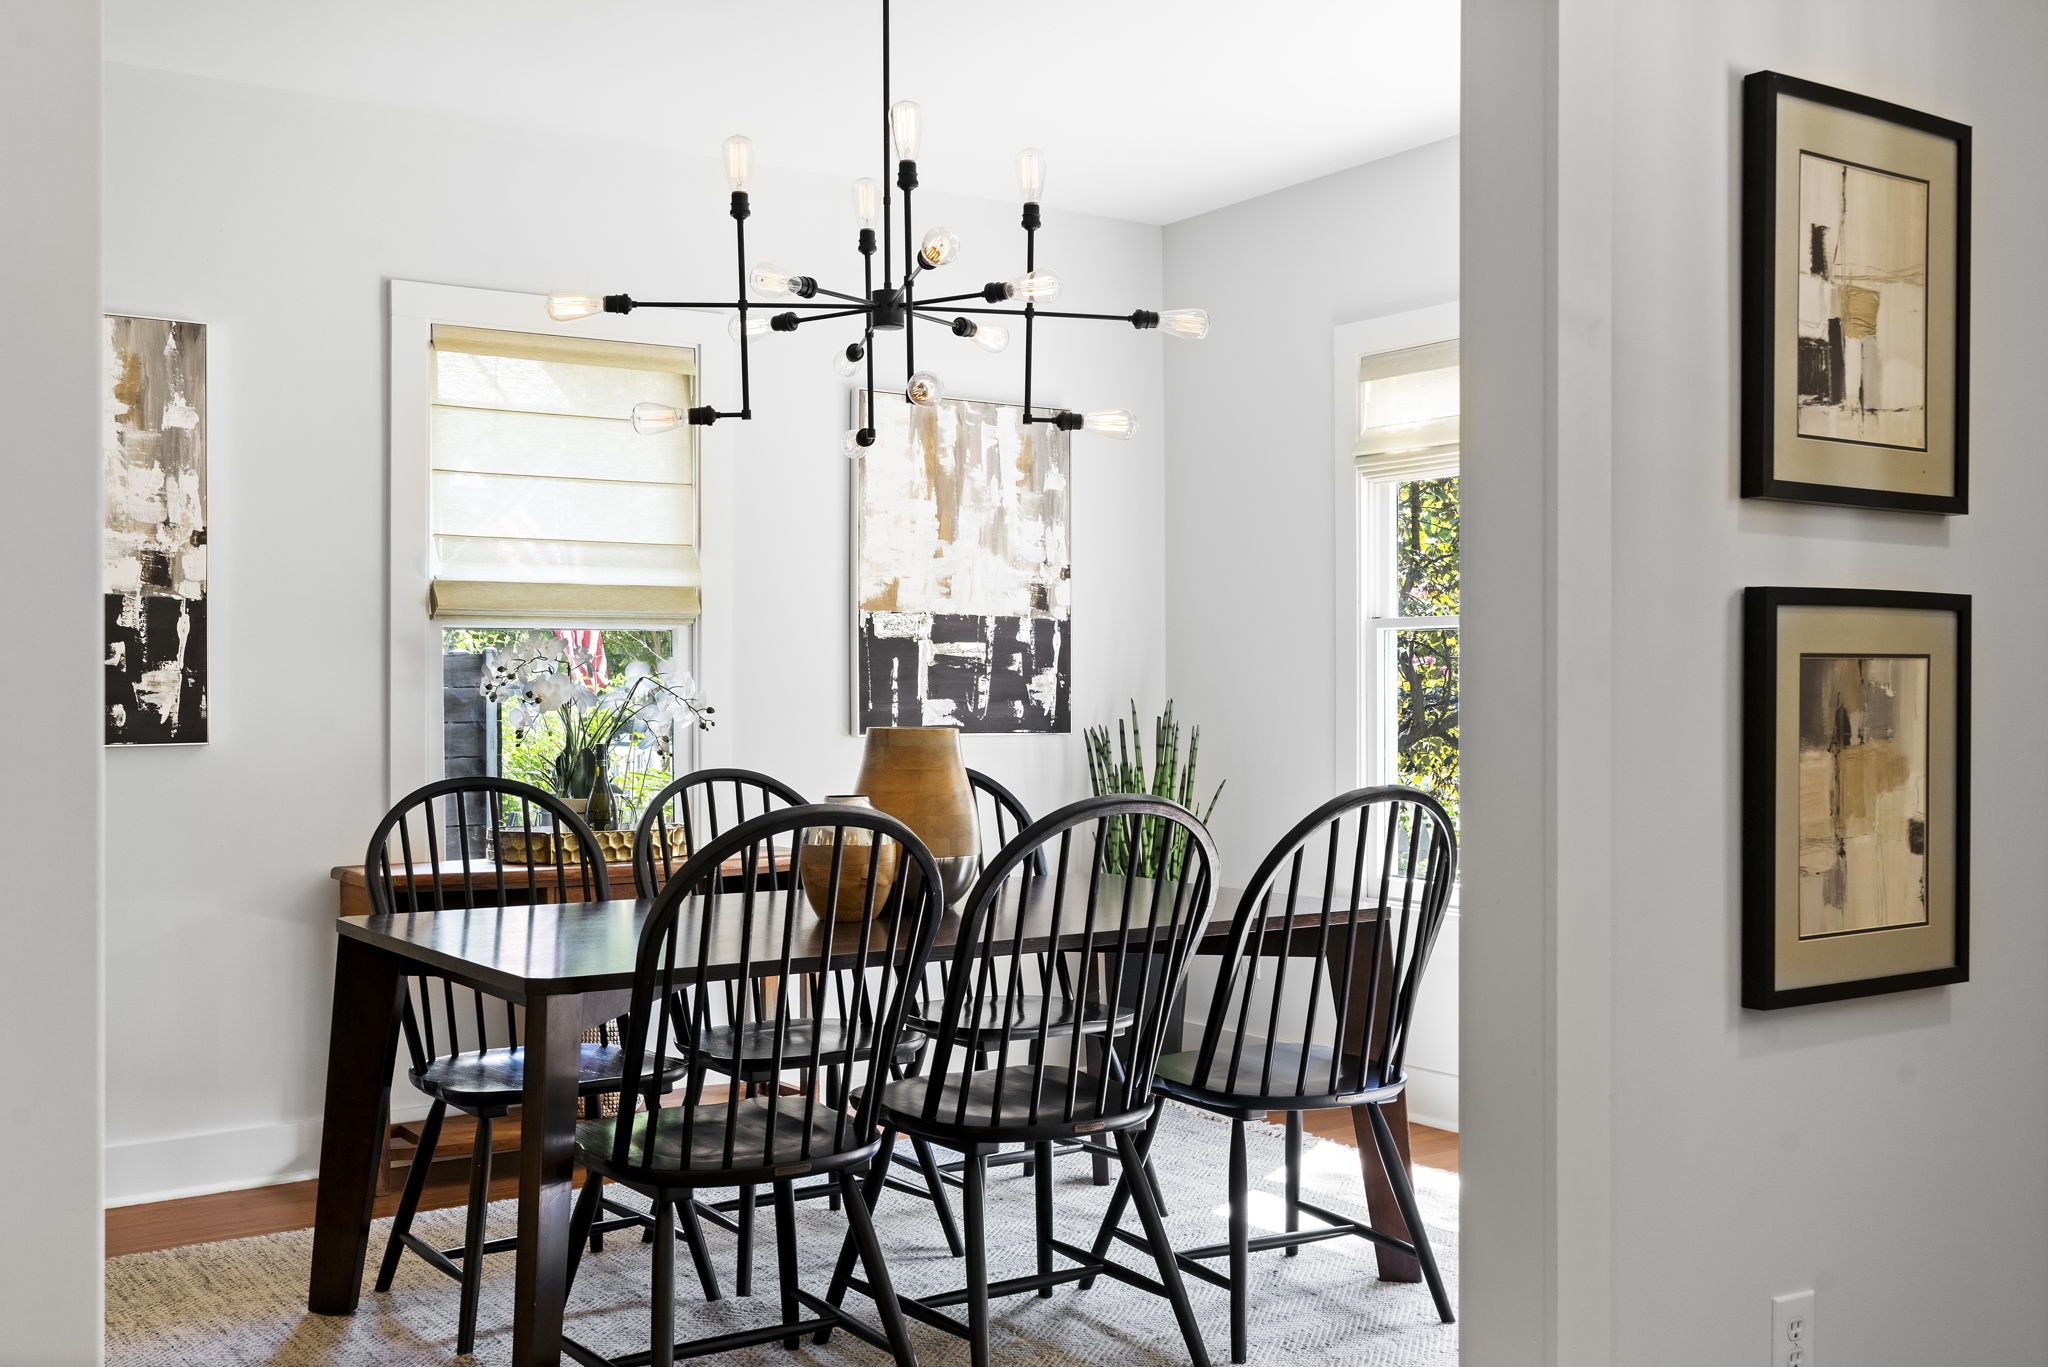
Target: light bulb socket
739	204
906	176
996	291
867	241
864	437
1031	219
855	351
618	303
965	327
703	417
783	322
1144	318
803	286
1067	421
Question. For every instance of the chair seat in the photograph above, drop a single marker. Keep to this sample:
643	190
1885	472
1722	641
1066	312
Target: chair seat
496	1078
1016	1018
977	1120
754	1050
690	1144
1222	1088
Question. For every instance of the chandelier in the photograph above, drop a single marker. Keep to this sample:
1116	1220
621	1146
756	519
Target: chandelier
893	305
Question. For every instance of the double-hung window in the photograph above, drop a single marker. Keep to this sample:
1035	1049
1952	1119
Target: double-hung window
1405	459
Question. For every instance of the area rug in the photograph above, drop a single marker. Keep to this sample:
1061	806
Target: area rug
243	1302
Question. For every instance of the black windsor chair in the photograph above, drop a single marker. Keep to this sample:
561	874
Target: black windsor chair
464	1045
766	929
1371	869
1132	938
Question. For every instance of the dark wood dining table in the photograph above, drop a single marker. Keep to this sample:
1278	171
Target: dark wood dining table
570	966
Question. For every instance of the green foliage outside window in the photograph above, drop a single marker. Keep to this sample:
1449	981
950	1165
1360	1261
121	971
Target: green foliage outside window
1426	662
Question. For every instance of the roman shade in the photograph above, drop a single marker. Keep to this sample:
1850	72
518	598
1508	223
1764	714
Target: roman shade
1408	410
548	508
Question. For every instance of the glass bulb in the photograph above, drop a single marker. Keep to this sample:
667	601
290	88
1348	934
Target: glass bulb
1036	287
991	336
772	281
850	444
867	201
940	246
924	389
906	128
568	308
1192	324
1112	422
847	362
739	161
754	326
650	418
1031	175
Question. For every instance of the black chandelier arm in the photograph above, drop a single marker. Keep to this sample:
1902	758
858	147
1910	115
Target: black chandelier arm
746	303
739	224
949	298
860	312
860	299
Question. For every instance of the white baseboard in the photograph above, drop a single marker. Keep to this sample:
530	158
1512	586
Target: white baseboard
1433	1098
174	1166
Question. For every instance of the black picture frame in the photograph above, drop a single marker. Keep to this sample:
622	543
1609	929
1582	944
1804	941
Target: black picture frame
1762	401
1762	757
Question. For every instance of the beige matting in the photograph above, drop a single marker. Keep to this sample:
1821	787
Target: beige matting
243	1302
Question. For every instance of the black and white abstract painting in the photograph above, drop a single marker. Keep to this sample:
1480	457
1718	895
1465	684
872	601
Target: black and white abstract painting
1862	305
962	570
155	560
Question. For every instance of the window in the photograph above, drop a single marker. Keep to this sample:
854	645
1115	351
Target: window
547	507
1405	459
550	517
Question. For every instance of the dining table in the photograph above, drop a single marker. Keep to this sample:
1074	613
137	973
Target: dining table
570	965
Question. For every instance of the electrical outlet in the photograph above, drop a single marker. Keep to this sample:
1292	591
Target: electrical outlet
1792	1330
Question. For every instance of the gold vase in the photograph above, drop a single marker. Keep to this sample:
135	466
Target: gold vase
914	774
857	853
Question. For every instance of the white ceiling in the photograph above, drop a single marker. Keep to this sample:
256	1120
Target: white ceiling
1149	110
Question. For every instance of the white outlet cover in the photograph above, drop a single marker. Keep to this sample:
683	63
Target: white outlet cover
1792	1330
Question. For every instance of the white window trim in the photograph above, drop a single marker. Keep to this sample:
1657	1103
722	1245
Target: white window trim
1358	752
413	686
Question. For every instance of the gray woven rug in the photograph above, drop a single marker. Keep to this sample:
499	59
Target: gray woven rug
243	1302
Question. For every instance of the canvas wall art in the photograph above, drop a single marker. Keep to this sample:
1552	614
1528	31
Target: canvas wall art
962	570
1856	219
1856	793
155	557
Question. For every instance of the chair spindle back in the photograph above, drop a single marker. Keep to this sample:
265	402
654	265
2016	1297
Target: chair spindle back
696	808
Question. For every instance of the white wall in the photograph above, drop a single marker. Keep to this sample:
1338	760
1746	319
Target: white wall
1886	1152
1255	571
50	520
277	218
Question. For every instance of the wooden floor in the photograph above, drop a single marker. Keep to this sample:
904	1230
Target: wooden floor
272	1210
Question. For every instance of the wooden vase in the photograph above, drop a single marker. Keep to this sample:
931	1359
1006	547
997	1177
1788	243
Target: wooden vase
856	856
914	774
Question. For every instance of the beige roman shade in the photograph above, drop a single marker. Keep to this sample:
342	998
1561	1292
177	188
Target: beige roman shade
1408	410
548	508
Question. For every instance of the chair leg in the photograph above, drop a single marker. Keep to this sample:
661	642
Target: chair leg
835	1092
662	1330
1240	1236
596	1236
589	1200
1044	1204
1140	1187
409	1203
1404	1197
1105	1234
886	1305
700	1253
1293	1178
473	1238
785	1258
871	1194
743	1275
976	1173
941	1198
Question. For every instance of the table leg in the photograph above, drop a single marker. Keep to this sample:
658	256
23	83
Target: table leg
547	1167
362	1038
1362	985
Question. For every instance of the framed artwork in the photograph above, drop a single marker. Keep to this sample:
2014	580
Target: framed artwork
1856	793
1855	300
155	547
961	570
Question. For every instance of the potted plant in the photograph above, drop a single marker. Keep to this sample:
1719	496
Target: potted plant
1123	770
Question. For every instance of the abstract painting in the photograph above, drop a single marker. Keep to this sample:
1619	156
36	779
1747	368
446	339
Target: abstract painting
962	570
1862	305
1855	793
155	549
1855	300
1862	793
